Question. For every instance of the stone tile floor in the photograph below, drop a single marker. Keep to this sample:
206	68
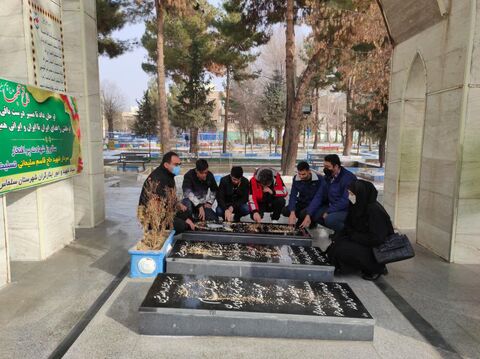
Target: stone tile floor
47	299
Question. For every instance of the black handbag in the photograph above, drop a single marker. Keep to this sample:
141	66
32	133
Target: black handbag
397	247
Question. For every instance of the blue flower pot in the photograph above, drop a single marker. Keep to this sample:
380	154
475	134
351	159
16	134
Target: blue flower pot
147	264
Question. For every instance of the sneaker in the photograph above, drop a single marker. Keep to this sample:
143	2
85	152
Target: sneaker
274	221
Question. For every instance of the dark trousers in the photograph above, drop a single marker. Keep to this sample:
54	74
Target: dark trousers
238	212
301	213
272	204
179	222
346	253
210	214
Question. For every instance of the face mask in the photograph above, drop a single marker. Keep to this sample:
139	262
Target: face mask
352	198
176	170
327	172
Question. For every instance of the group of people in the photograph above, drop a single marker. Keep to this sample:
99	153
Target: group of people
336	200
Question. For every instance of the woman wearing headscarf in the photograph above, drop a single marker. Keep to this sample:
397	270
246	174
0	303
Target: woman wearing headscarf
367	226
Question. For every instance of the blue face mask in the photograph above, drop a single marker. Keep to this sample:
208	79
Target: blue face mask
176	170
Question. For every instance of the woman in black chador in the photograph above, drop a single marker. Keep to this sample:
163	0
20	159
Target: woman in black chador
367	225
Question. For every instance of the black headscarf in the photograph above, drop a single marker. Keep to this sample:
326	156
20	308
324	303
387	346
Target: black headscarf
366	194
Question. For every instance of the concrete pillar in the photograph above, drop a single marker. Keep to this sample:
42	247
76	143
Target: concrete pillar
4	255
466	244
447	213
42	220
81	61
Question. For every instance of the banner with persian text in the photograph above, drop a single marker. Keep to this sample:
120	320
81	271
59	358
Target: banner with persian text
39	136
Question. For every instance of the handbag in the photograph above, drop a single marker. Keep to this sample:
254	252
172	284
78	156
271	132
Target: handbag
397	247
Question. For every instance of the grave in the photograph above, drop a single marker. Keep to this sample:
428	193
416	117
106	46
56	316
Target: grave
249	233
249	261
277	308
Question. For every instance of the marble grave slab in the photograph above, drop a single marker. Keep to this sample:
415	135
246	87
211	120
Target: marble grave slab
249	261
227	306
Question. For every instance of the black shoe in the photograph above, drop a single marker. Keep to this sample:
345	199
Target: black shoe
331	236
385	271
371	277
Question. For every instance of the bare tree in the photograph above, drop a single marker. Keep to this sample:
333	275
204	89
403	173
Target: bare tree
246	109
113	103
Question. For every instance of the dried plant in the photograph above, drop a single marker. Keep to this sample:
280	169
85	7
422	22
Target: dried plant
156	218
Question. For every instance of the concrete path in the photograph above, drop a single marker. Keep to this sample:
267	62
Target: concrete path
425	308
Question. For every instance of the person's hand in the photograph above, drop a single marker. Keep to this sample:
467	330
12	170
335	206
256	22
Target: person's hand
201	213
306	222
267	189
292	219
229	215
256	217
190	224
182	207
325	215
207	205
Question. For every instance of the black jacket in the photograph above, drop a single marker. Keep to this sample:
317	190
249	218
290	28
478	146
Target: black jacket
228	195
367	223
163	178
199	192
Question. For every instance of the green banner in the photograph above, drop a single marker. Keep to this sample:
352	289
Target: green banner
39	136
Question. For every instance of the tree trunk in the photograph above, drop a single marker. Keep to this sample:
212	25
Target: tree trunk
316	121
347	146
359	142
194	140
164	128
290	126
381	148
227	107
270	136
370	143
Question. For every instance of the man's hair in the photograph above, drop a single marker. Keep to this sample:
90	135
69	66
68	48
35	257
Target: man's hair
303	166
333	159
201	165
236	172
265	177
167	157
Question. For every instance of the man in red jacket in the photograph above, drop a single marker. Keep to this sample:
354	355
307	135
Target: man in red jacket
267	194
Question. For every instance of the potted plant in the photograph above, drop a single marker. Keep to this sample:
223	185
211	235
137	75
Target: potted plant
147	257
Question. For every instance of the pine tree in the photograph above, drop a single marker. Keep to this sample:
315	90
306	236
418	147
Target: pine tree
273	104
112	15
233	52
146	120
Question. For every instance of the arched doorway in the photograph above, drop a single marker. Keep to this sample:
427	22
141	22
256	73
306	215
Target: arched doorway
411	143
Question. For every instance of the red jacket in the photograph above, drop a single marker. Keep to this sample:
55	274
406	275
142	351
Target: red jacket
256	190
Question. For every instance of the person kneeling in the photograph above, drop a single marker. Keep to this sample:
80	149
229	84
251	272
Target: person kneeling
367	226
267	194
308	192
162	182
199	191
232	196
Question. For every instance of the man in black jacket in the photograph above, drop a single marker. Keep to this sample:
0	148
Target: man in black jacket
199	191
232	197
163	177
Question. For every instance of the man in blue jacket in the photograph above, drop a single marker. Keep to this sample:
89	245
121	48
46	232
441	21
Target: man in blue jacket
306	197
337	179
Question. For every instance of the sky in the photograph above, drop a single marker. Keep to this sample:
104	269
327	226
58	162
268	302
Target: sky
125	71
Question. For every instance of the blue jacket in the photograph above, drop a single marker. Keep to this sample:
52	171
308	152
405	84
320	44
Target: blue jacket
337	190
307	194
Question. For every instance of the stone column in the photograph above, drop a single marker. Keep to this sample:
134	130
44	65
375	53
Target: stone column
42	220
81	61
466	243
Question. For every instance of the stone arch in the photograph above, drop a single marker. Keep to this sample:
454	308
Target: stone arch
411	144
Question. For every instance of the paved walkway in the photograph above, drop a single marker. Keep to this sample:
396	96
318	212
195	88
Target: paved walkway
425	308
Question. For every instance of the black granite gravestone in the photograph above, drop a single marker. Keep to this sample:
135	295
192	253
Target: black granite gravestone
211	305
251	233
249	261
